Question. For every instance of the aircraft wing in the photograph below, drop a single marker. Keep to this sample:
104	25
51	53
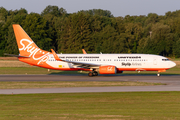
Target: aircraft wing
84	65
79	64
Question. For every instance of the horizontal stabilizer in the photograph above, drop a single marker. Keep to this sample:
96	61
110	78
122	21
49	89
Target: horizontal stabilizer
17	55
55	55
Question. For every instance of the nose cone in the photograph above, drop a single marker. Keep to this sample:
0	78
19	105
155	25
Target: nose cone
172	64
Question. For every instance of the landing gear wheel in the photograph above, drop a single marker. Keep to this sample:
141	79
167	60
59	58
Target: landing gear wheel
90	74
158	74
95	73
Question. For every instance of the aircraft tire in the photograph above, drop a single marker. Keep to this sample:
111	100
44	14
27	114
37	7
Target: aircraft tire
90	74
95	73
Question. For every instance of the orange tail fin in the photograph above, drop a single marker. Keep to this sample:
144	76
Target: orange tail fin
27	47
25	44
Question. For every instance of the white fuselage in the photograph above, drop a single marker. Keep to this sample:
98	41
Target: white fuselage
123	62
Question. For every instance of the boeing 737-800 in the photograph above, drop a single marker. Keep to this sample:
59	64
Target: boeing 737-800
94	63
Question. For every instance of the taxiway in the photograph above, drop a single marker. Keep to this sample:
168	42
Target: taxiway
172	81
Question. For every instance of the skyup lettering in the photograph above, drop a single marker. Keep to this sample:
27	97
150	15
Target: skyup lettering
136	64
126	64
33	51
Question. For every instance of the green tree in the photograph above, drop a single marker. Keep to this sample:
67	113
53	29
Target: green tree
11	45
74	33
16	17
152	19
176	49
133	34
161	40
37	28
98	12
109	42
53	10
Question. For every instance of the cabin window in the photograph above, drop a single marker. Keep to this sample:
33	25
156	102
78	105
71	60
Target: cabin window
165	59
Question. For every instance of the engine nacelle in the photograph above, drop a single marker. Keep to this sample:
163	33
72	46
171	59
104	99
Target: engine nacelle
107	69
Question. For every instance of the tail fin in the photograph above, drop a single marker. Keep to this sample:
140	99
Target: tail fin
25	44
27	47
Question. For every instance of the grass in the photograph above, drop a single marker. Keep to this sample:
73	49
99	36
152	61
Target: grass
94	106
61	84
25	70
175	59
13	63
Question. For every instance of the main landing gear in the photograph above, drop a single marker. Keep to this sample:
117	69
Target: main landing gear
93	73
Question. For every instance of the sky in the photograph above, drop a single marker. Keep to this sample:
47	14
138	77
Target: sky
117	7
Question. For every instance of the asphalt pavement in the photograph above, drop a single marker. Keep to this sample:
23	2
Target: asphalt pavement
172	81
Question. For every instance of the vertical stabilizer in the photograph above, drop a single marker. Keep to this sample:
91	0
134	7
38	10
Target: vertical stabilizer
27	47
25	43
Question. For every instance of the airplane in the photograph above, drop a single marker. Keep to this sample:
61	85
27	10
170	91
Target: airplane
31	54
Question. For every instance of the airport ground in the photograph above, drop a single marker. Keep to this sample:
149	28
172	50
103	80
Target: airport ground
158	102
91	106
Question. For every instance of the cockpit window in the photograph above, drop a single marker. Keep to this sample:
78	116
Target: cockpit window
165	59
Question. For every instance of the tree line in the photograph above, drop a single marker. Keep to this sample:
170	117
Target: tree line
94	30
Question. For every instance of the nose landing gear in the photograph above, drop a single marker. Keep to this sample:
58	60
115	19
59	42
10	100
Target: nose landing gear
158	74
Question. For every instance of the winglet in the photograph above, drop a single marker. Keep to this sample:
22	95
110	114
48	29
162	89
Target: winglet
55	55
84	52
